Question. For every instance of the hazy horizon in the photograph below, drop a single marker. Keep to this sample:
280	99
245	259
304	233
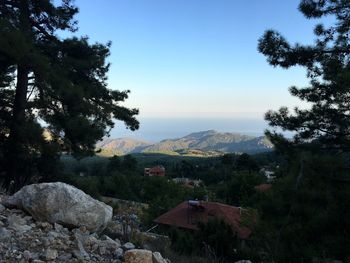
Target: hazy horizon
194	65
157	129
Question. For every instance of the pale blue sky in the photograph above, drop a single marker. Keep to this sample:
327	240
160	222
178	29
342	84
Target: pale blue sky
196	59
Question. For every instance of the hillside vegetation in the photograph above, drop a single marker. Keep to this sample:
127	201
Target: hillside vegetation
204	143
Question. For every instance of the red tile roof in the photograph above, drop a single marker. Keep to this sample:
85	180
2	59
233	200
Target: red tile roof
263	187
158	170
186	216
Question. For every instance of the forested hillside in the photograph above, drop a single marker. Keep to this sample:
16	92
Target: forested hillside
211	142
290	195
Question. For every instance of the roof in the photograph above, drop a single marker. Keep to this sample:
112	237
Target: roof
185	216
158	168
263	187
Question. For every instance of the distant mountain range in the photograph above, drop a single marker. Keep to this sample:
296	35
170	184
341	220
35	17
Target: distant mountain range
204	143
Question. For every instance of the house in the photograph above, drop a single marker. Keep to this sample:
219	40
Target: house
270	175
262	187
158	170
191	183
189	213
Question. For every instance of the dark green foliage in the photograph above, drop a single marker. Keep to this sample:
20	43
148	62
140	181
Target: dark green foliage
328	67
228	159
215	240
311	221
114	163
239	189
183	241
59	82
306	213
163	195
129	163
219	236
122	177
247	163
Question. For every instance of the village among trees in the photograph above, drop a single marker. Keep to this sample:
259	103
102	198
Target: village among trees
291	204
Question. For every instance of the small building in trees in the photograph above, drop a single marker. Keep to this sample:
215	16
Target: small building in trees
262	188
270	175
158	170
188	214
191	183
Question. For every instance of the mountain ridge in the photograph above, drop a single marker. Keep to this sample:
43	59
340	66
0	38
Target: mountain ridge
203	141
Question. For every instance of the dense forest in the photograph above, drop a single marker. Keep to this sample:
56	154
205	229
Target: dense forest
55	106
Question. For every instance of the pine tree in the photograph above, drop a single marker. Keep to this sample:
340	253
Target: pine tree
307	205
51	84
327	121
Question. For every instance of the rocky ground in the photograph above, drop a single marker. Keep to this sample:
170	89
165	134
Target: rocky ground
23	239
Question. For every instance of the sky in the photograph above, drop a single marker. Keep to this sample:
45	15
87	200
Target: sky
193	64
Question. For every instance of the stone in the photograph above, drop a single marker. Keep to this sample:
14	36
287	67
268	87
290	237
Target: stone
79	242
65	257
45	225
128	246
58	227
53	234
102	250
27	255
50	254
2	208
61	203
78	255
5	234
52	242
114	229
138	256
46	241
18	224
157	258
119	253
109	243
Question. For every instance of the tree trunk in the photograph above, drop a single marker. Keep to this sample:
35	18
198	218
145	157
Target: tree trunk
16	147
16	150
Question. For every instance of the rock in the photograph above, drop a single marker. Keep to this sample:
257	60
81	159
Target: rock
45	225
61	203
50	254
119	253
5	234
78	255
79	238
45	241
157	258
18	224
2	208
138	256
114	229
243	261
58	227
128	246
53	234
27	255
109	243
102	250
65	257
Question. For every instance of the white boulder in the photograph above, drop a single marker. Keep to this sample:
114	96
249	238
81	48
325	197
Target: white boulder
61	203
